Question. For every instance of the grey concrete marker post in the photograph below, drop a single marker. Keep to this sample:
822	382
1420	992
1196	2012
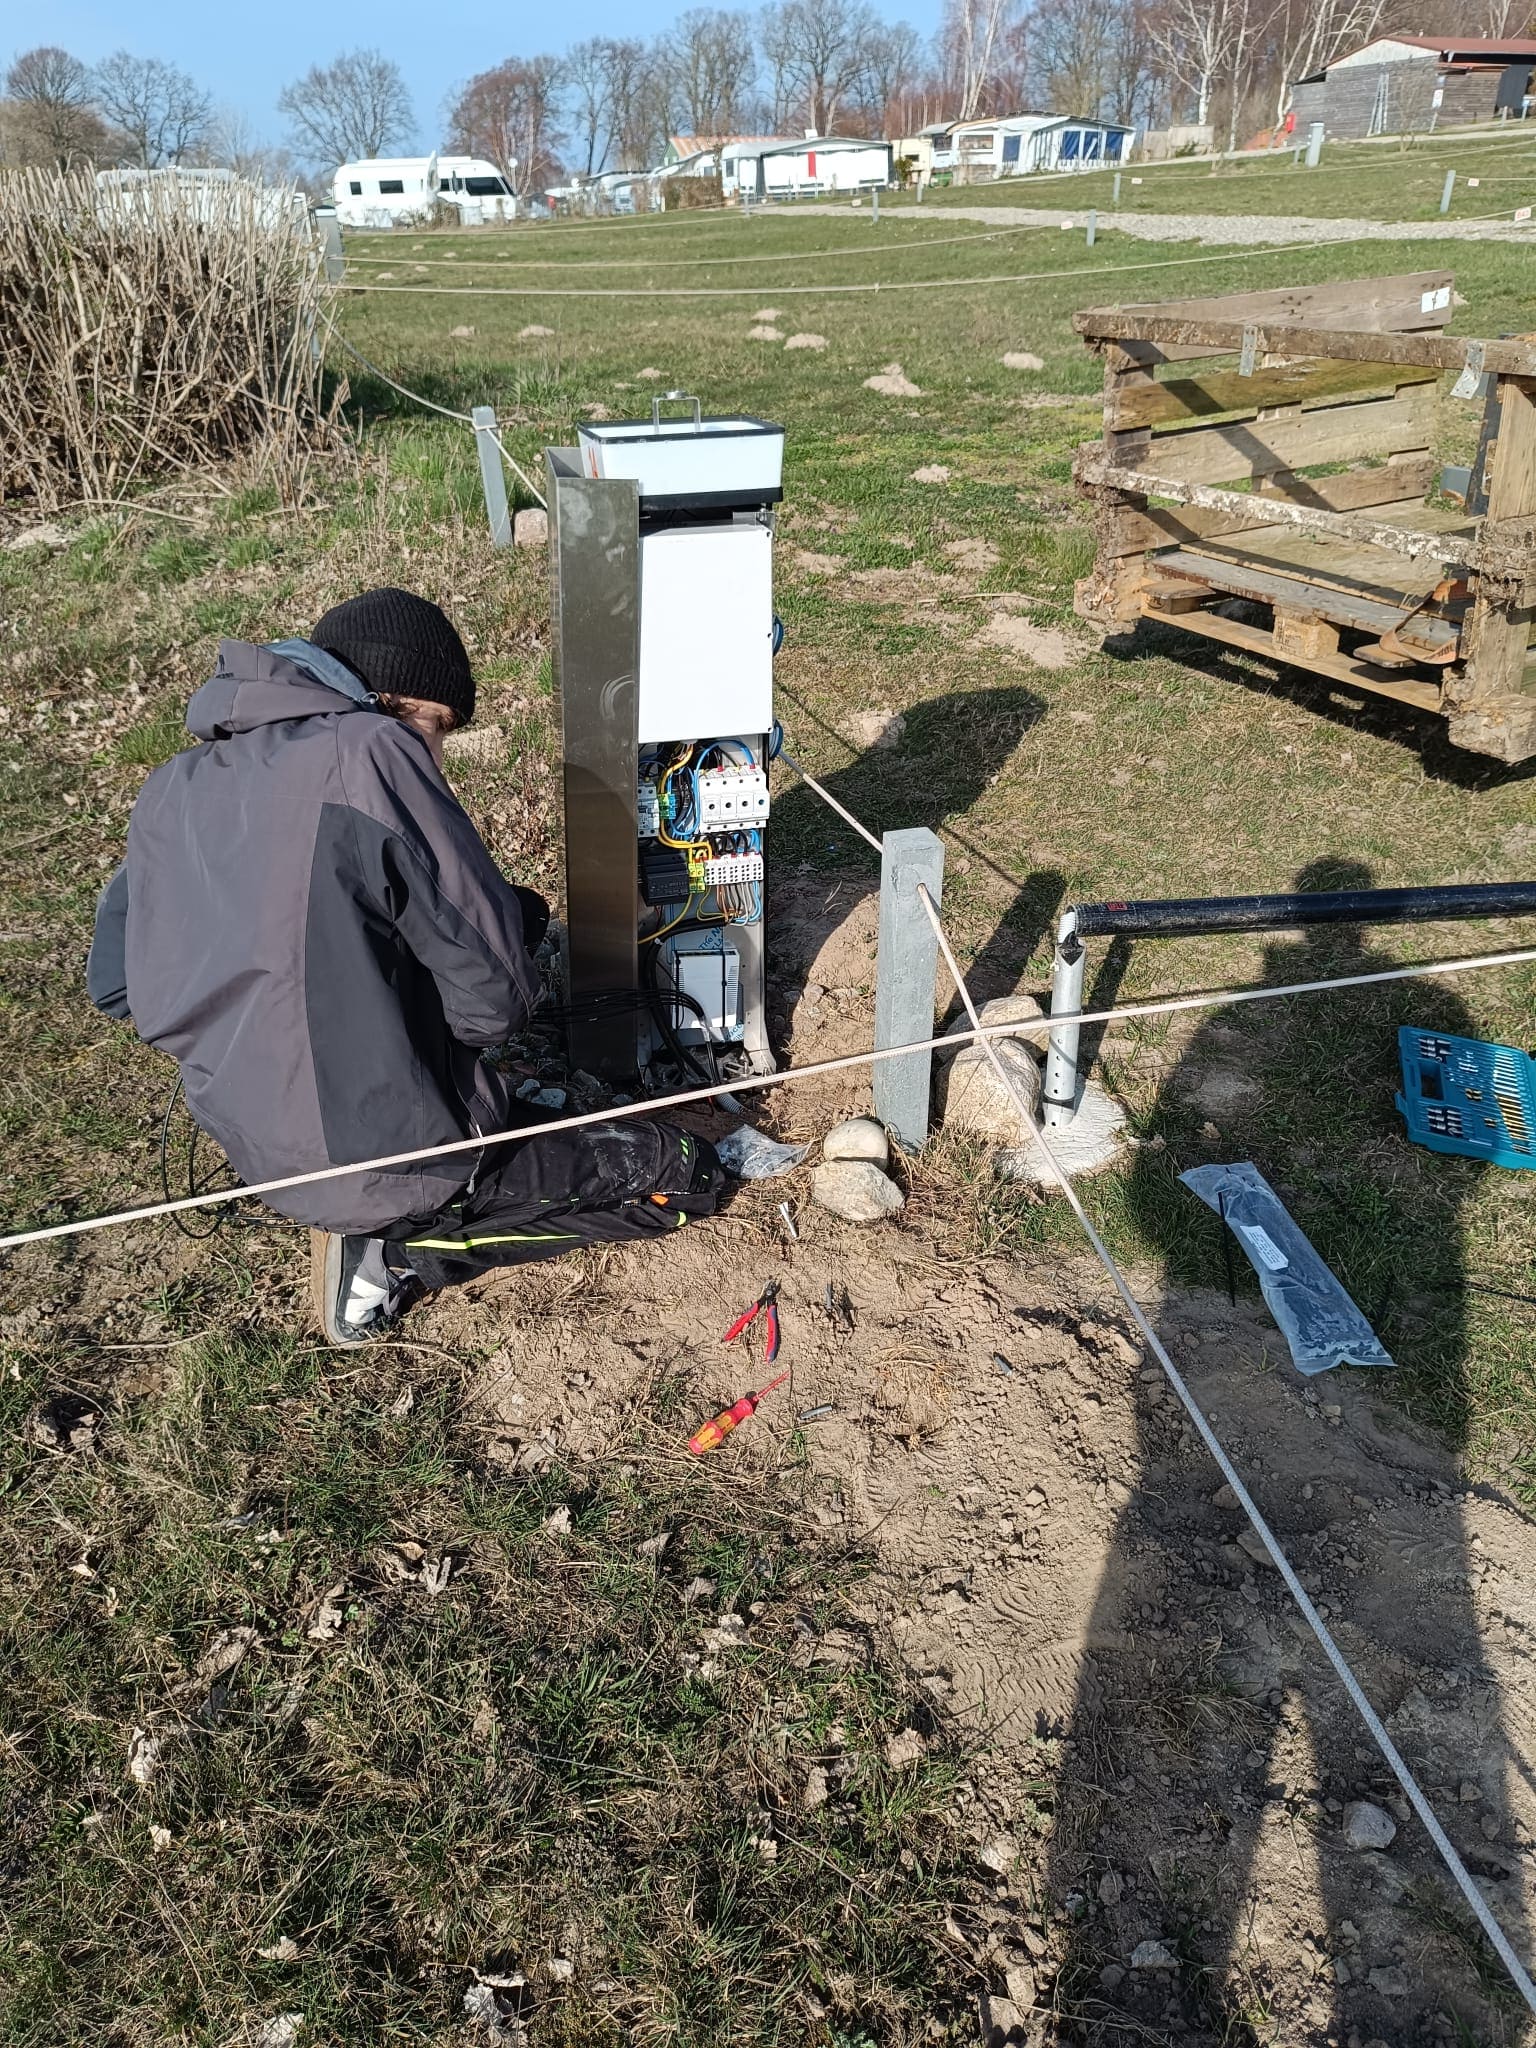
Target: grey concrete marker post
875	195
1446	190
492	476
330	244
1093	229
1314	145
904	980
1116	194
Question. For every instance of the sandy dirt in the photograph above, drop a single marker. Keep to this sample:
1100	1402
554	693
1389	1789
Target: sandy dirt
1155	1752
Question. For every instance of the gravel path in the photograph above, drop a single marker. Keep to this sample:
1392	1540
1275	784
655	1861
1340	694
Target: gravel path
1229	230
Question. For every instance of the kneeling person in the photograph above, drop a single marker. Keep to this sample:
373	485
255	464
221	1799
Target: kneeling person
309	924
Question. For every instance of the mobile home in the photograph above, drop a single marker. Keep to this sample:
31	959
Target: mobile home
391	191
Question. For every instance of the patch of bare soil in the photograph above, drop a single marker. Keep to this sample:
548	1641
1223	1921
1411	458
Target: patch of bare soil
1155	1750
1158	1763
892	382
1045	646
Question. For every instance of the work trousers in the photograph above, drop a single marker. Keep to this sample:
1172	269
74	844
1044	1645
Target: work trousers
541	1196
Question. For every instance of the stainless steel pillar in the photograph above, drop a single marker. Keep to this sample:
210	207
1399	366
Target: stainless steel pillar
594	566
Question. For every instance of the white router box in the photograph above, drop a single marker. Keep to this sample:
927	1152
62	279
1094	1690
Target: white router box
706	631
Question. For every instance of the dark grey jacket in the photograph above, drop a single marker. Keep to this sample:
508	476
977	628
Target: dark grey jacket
309	924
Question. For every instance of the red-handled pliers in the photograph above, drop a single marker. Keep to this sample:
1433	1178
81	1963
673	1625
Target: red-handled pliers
766	1307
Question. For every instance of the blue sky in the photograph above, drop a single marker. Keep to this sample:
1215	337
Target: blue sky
245	55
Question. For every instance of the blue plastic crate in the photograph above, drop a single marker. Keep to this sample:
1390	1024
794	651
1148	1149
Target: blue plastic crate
1460	1095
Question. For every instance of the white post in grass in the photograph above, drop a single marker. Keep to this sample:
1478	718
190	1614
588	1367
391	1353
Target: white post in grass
330	244
1093	228
492	476
1446	190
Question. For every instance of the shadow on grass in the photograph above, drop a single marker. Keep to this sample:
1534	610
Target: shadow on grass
1372	717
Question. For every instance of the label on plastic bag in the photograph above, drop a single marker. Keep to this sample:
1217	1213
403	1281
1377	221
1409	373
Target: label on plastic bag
1264	1247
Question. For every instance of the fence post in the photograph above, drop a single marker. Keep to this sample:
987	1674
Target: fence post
1314	144
492	476
1116	194
875	195
905	971
330	243
1093	228
1446	190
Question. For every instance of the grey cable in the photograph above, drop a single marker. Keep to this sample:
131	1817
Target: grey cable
1229	1472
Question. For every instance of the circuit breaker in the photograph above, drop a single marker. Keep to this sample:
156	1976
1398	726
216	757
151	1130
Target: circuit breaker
662	596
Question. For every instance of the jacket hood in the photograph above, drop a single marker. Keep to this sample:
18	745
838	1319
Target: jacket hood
255	686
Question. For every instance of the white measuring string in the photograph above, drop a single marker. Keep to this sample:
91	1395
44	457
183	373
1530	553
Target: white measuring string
1229	1472
948	1042
1412	232
518	471
829	799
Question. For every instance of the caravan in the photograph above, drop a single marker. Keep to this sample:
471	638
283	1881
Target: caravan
399	191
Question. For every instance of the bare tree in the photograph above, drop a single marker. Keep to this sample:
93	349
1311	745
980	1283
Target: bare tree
1093	57
1194	39
53	91
354	108
161	113
1308	34
711	66
638	91
233	143
511	115
817	51
969	34
892	60
589	83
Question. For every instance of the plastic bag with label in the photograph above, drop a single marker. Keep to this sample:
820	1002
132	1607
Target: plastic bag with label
1320	1323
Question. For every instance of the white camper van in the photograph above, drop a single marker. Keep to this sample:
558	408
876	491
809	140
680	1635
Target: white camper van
386	191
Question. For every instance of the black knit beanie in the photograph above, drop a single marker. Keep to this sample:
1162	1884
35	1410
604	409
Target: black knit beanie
401	646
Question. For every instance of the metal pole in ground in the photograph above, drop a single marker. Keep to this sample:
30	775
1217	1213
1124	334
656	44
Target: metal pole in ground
905	971
330	244
1093	228
492	476
1446	190
1314	145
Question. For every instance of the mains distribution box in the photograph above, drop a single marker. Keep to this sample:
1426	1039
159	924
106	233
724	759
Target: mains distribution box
661	571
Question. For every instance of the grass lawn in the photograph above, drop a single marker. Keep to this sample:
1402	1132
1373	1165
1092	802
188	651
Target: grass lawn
400	1790
1366	181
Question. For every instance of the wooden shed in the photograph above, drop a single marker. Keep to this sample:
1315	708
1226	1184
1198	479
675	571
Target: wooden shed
1279	448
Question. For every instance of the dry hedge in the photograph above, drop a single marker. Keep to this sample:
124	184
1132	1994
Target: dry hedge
149	329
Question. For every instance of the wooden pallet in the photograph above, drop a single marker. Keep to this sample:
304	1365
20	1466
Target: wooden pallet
1277	502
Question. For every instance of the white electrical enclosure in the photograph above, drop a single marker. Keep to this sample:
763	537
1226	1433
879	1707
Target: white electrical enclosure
706	631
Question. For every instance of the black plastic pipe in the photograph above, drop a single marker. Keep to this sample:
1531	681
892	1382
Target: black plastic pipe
1183	916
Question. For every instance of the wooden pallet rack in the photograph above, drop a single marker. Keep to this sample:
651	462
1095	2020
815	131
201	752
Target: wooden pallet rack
1292	468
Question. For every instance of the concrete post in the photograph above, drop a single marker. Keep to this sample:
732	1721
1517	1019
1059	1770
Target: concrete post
875	196
1446	190
1115	196
492	476
1093	229
330	244
1314	145
904	980
922	187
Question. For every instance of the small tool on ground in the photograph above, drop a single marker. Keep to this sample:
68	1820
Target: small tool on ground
766	1306
715	1432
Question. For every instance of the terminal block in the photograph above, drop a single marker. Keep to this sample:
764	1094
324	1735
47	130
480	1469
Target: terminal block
647	810
727	868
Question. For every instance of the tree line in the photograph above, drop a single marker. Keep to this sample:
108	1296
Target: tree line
794	66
